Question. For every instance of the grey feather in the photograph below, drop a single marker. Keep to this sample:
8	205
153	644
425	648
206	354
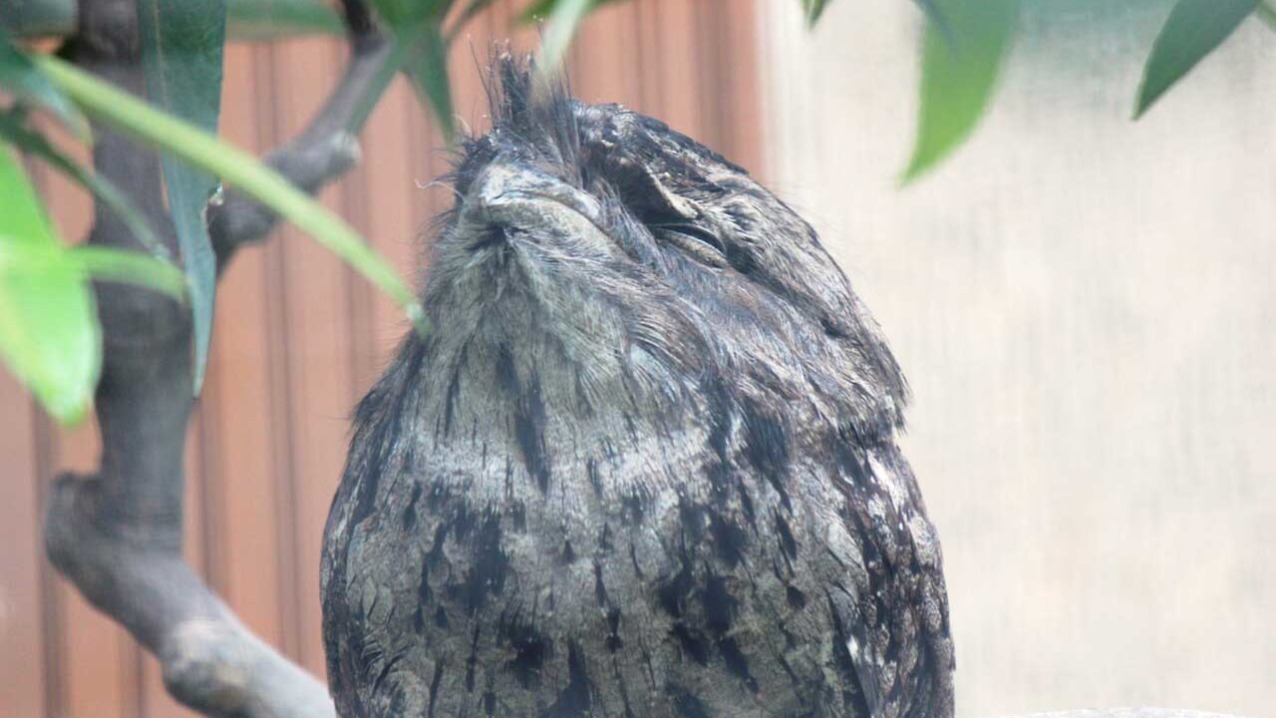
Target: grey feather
645	463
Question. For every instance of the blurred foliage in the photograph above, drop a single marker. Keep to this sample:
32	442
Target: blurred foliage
961	61
14	130
1268	13
19	76
814	9
271	19
1192	31
563	17
192	145
49	336
183	43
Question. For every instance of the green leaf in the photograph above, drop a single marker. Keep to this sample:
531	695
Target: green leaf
399	14
1193	30
271	19
182	46
121	265
425	62
39	18
1268	14
543	9
21	77
237	168
420	50
960	66
32	142
936	16
564	17
813	9
49	335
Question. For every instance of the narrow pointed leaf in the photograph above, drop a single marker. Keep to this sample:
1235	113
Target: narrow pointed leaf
273	19
563	19
961	62
425	62
20	76
182	46
32	142
813	10
543	9
420	51
120	265
49	335
936	17
1192	31
1267	12
236	168
407	13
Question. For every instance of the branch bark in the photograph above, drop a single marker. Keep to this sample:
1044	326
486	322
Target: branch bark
117	534
325	150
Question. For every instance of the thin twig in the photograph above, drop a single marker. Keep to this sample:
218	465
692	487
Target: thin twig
326	149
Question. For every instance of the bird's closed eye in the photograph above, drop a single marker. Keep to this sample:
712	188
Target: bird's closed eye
697	241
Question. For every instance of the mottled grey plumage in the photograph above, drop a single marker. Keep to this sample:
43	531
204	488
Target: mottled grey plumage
643	465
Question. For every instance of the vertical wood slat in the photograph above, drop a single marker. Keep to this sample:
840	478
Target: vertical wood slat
239	385
271	132
737	101
388	177
318	332
22	645
298	338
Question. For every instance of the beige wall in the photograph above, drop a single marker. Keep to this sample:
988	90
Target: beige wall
1086	310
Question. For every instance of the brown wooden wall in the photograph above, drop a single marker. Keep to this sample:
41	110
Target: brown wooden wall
298	339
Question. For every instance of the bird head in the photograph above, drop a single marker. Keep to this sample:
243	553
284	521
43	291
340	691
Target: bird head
642	258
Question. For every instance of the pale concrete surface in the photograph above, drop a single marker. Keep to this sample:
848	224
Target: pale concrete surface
1086	309
1129	713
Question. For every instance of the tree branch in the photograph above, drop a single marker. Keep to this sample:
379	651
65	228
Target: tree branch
325	150
117	534
137	575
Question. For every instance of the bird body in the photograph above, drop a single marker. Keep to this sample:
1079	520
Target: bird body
643	465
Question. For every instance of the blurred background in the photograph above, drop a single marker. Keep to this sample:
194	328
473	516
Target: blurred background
1085	307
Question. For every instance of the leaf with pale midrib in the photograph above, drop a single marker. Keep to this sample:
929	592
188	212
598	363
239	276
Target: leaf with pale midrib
182	49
